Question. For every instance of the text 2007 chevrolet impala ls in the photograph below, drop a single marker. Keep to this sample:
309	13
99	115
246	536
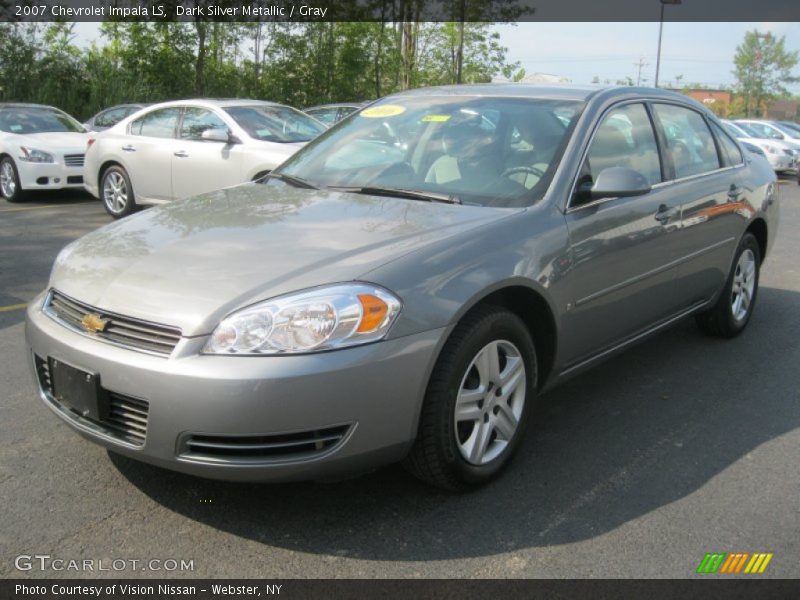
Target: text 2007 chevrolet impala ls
405	286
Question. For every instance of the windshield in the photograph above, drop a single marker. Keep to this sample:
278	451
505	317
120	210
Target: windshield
24	120
788	131
488	151
275	123
734	130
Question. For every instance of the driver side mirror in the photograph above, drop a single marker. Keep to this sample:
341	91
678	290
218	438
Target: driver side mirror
618	182
777	136
220	135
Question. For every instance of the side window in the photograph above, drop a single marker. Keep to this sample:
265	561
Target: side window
764	131
344	111
326	115
109	118
198	120
625	138
730	151
159	123
689	140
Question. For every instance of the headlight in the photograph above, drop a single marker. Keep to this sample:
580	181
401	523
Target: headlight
324	318
770	149
34	155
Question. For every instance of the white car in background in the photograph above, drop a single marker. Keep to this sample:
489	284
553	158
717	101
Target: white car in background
783	156
41	148
184	148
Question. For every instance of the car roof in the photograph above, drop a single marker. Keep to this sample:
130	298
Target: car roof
215	103
338	105
545	92
26	105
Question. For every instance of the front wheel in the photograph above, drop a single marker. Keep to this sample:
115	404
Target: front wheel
116	192
478	398
9	181
730	315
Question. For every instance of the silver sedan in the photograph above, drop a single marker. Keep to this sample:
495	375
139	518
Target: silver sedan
406	286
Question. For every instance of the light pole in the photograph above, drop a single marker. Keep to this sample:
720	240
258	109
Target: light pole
660	32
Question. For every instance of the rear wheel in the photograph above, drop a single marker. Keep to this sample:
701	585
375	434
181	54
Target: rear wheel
730	315
9	181
116	192
478	398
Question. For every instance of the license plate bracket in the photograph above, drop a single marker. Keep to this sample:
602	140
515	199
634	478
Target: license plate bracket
77	389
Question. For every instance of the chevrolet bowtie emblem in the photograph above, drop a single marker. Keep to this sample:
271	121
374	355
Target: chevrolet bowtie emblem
94	323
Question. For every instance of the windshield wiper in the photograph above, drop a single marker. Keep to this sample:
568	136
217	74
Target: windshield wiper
400	193
291	179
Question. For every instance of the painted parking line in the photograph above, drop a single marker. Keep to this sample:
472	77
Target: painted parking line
11	307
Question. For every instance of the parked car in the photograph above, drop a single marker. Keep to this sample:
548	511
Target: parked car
354	309
780	154
41	148
772	130
753	149
111	116
333	113
179	149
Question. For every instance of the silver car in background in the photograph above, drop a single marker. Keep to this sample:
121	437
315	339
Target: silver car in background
184	148
405	286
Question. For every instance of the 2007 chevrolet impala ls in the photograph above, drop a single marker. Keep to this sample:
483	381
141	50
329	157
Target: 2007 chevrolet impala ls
405	286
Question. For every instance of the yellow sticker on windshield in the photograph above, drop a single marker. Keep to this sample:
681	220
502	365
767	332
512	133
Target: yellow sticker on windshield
435	118
386	110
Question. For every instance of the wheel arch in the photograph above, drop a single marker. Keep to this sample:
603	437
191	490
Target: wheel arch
533	307
758	227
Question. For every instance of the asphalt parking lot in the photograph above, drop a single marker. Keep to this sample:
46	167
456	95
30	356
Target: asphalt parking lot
682	446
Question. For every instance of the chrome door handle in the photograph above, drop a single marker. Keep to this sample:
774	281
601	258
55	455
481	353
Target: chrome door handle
129	148
665	213
181	154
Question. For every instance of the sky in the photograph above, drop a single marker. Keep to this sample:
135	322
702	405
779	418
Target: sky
701	52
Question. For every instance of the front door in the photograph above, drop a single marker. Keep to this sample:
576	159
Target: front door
622	278
199	165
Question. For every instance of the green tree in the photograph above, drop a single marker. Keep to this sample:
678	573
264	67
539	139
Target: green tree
763	67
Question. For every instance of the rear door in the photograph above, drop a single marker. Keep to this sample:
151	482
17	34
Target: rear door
712	200
622	277
147	152
199	165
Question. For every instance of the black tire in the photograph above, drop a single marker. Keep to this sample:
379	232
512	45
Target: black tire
11	190
436	457
720	320
117	205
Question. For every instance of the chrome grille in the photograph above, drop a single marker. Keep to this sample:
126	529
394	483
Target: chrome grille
122	331
73	160
125	417
261	448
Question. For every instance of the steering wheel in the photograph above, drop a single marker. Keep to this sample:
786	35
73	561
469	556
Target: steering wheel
523	169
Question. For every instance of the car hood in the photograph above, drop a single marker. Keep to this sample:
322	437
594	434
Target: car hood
55	142
190	263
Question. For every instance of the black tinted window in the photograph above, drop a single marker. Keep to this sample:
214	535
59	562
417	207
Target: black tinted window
625	138
198	120
159	123
689	140
730	151
111	117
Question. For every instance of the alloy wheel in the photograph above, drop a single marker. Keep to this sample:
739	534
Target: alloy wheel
744	283
115	192
490	402
8	181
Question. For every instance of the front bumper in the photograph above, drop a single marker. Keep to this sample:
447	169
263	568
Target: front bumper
49	176
375	390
